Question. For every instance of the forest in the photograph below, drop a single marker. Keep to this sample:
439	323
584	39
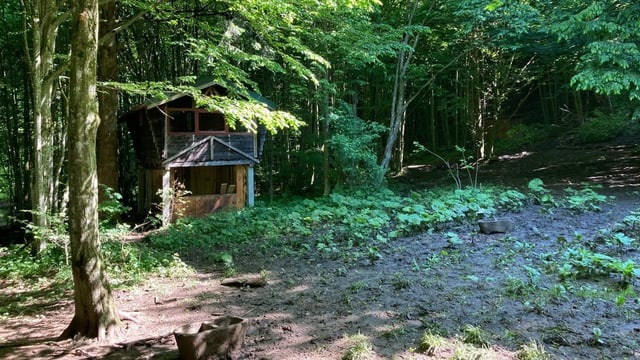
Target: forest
339	153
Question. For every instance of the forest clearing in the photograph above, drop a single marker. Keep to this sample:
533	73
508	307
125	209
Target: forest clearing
348	291
319	179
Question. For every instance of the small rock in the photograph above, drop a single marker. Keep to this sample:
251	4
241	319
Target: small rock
496	226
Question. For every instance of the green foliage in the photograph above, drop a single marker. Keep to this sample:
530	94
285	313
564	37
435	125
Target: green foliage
601	127
351	226
34	282
580	200
359	348
521	135
606	32
431	209
240	112
475	335
532	351
465	164
131	263
56	234
111	208
430	343
18	265
632	220
517	287
585	199
583	263
353	149
541	195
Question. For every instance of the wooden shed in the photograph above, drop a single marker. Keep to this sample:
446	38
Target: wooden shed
185	150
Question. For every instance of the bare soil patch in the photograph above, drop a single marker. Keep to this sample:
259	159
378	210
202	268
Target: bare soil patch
312	303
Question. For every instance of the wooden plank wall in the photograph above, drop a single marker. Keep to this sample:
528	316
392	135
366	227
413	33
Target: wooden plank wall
242	141
149	185
205	184
202	205
205	180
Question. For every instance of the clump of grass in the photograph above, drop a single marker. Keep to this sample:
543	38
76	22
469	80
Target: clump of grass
532	351
360	348
470	352
475	336
430	343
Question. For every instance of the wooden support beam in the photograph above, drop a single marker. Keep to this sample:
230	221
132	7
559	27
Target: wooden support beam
241	179
250	189
166	196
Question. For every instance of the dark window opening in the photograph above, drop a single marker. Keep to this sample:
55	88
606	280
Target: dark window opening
182	121
181	102
211	122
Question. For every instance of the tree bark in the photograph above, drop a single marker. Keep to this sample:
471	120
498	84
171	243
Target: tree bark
42	20
108	99
398	107
95	314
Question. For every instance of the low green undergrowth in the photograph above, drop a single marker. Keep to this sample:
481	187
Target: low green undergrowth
352	226
583	199
349	225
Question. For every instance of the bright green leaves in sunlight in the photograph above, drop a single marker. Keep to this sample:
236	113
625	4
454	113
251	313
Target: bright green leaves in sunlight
278	27
246	113
610	68
606	34
493	5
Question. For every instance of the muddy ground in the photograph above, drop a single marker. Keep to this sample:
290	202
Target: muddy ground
507	285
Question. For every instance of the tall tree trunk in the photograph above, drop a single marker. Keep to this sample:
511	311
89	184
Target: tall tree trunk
95	314
108	99
398	106
41	21
398	100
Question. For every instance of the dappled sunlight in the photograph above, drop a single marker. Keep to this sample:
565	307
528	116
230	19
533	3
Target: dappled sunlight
298	289
609	165
438	275
515	156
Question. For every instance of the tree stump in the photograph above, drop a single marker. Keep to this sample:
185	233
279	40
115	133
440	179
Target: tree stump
211	340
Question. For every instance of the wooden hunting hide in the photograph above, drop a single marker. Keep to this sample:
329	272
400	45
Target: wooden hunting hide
189	160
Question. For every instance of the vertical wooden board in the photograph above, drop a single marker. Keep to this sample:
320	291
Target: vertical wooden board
142	190
202	180
152	184
241	176
209	183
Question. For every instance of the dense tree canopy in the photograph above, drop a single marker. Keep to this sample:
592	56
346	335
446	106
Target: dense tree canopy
357	83
441	73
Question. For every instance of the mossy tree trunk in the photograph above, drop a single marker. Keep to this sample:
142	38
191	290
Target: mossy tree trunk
95	314
42	20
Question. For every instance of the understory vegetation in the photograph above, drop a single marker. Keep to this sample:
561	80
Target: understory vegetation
361	229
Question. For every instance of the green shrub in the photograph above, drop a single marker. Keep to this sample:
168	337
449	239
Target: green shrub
601	127
585	199
352	146
521	135
540	194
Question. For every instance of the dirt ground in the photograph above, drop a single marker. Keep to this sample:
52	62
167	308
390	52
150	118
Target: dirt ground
313	304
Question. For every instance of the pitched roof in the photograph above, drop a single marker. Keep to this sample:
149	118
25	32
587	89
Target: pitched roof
201	84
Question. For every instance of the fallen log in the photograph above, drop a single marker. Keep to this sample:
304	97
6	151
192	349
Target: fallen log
245	281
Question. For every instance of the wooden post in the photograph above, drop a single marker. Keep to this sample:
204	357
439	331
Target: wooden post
142	190
240	171
166	196
250	190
